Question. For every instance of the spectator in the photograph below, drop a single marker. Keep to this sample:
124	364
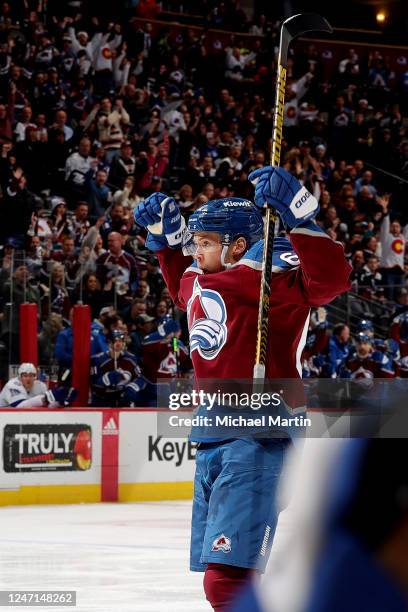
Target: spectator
116	221
98	194
59	220
90	293
24	123
136	309
77	169
111	122
365	181
369	278
236	63
60	125
67	256
339	349
117	269
143	326
15	291
392	252
47	337
122	166
7	117
54	295
17	208
79	224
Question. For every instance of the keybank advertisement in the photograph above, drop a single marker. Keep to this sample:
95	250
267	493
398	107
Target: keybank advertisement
27	448
145	456
59	447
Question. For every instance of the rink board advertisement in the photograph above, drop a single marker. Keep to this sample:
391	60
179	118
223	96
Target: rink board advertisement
73	456
50	457
152	466
45	447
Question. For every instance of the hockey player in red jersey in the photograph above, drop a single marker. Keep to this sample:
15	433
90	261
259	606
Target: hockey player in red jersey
164	355
367	363
217	280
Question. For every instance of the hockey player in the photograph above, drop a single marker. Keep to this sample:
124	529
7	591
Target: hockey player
164	355
365	326
391	349
26	391
367	362
399	332
116	379
234	508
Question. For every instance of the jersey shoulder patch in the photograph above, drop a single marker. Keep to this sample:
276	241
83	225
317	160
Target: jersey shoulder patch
284	257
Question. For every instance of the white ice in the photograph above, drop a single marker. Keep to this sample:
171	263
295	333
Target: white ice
128	557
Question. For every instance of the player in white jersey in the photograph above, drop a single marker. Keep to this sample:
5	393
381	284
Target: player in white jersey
26	391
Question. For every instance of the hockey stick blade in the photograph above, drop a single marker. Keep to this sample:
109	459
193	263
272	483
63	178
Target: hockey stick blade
301	24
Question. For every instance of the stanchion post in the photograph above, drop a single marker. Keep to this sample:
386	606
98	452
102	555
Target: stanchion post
28	333
81	354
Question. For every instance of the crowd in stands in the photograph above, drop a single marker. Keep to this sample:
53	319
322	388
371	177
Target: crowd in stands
95	115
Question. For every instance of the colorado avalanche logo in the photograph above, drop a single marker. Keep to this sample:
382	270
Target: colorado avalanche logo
207	317
221	543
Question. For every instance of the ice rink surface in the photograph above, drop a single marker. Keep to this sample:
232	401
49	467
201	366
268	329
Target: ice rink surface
131	557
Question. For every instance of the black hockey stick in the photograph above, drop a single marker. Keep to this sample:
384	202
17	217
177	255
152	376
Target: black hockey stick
291	28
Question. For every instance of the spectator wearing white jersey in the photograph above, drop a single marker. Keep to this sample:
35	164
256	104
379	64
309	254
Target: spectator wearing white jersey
393	241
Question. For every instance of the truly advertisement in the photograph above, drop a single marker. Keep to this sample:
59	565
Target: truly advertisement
47	447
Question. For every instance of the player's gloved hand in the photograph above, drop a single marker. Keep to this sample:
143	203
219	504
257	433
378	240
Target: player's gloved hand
161	216
64	396
133	391
113	378
168	327
278	188
207	336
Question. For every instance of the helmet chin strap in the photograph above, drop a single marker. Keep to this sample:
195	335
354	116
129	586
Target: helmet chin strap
223	255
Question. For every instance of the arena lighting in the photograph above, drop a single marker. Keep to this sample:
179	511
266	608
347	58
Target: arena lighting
380	17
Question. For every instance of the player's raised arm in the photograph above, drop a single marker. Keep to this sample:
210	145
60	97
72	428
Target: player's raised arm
160	215
324	271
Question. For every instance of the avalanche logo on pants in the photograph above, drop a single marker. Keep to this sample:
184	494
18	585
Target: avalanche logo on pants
207	316
222	543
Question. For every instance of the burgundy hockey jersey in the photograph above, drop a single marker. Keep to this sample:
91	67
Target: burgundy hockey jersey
160	360
222	307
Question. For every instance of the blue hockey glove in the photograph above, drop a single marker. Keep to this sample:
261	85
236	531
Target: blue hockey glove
161	216
278	188
168	327
64	396
133	391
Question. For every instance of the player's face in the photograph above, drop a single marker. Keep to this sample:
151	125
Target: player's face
28	381
363	349
118	345
208	251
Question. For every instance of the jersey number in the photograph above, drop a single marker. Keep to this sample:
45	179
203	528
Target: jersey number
291	258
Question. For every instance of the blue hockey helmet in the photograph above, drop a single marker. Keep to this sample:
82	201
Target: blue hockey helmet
229	217
362	337
366	326
116	334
